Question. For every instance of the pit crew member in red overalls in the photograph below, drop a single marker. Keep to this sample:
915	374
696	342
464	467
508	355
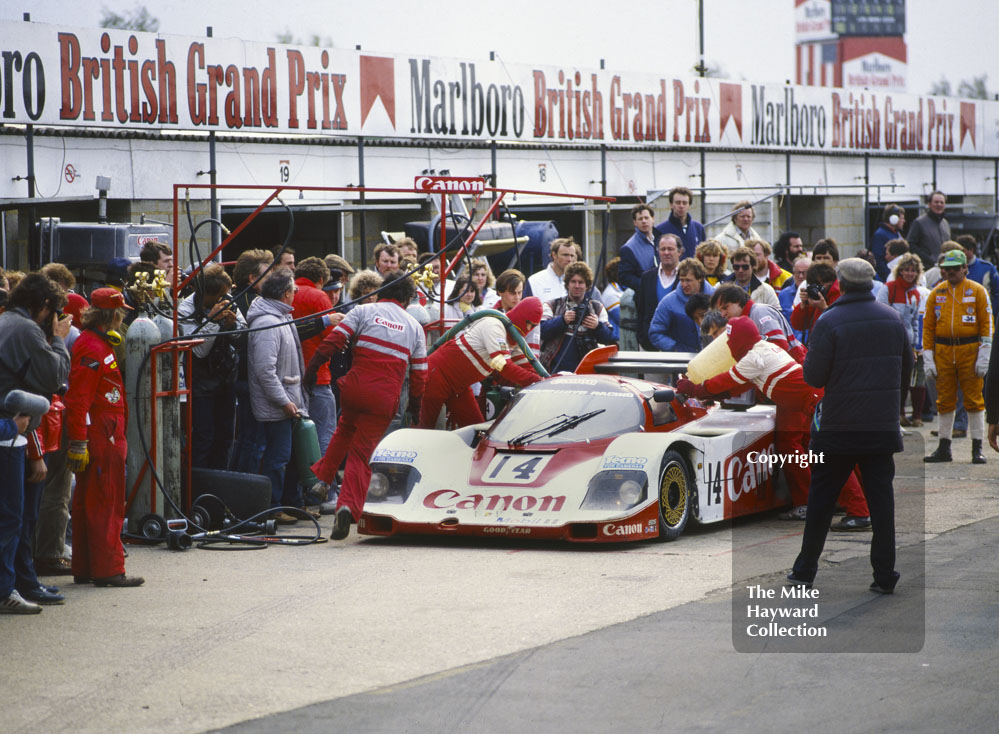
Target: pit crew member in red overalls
777	376
476	353
384	341
95	419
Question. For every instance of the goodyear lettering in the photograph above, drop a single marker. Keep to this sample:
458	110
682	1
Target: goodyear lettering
506	531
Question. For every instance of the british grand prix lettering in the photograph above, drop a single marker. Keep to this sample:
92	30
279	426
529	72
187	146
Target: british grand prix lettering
52	75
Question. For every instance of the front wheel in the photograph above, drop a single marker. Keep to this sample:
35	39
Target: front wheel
676	487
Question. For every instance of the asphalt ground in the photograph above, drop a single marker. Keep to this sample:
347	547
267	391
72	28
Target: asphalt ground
429	635
677	671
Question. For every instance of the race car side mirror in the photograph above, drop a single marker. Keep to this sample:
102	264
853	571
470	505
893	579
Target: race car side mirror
664	396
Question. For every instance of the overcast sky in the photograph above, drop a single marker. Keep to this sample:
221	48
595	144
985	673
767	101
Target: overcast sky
748	39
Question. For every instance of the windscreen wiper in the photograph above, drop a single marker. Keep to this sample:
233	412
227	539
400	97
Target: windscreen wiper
560	424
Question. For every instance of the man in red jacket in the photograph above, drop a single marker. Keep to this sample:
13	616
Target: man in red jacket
311	275
475	354
384	341
819	291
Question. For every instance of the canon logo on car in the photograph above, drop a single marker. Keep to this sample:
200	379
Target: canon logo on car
613	529
389	324
443	499
450	184
746	476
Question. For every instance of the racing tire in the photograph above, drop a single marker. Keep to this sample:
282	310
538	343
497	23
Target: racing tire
676	488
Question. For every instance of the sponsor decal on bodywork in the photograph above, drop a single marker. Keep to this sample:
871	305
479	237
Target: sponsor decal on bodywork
625	462
396	457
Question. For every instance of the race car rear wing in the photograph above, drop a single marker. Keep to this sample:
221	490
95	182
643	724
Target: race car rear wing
610	361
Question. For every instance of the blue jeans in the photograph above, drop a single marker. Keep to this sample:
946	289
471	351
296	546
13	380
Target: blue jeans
24	565
11	511
277	452
249	445
322	411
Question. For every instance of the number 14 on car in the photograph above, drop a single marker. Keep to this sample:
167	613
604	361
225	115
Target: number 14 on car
515	468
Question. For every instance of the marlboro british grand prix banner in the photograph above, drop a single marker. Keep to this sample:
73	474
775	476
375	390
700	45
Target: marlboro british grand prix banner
123	80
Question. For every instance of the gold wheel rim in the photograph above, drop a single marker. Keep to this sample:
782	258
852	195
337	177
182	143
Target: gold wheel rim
673	495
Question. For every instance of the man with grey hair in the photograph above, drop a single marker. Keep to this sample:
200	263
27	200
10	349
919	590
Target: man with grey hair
275	373
859	350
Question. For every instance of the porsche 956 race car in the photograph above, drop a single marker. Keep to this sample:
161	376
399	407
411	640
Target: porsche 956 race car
587	458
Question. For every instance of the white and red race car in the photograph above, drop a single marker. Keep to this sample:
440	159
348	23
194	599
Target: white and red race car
586	457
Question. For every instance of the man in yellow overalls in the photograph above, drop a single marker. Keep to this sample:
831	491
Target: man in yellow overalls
957	339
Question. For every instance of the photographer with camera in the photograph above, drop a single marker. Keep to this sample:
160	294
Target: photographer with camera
214	367
818	293
573	325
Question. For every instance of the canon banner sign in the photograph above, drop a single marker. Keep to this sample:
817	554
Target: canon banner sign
124	80
449	184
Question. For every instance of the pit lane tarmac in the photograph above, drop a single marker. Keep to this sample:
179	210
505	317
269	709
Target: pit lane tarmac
499	634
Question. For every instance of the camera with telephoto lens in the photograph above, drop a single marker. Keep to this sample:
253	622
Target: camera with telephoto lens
582	311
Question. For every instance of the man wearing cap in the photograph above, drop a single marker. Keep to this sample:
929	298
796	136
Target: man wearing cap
858	353
340	269
957	338
95	422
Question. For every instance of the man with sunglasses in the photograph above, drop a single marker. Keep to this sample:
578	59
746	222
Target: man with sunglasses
957	338
743	266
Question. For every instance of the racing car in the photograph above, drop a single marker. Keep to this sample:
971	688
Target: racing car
591	457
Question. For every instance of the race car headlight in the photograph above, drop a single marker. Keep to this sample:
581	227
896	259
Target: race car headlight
378	487
616	490
630	492
392	482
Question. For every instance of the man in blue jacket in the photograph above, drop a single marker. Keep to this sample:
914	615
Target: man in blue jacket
680	223
638	254
672	330
858	352
892	221
980	271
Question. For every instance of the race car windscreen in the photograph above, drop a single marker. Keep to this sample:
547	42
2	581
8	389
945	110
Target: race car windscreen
568	409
